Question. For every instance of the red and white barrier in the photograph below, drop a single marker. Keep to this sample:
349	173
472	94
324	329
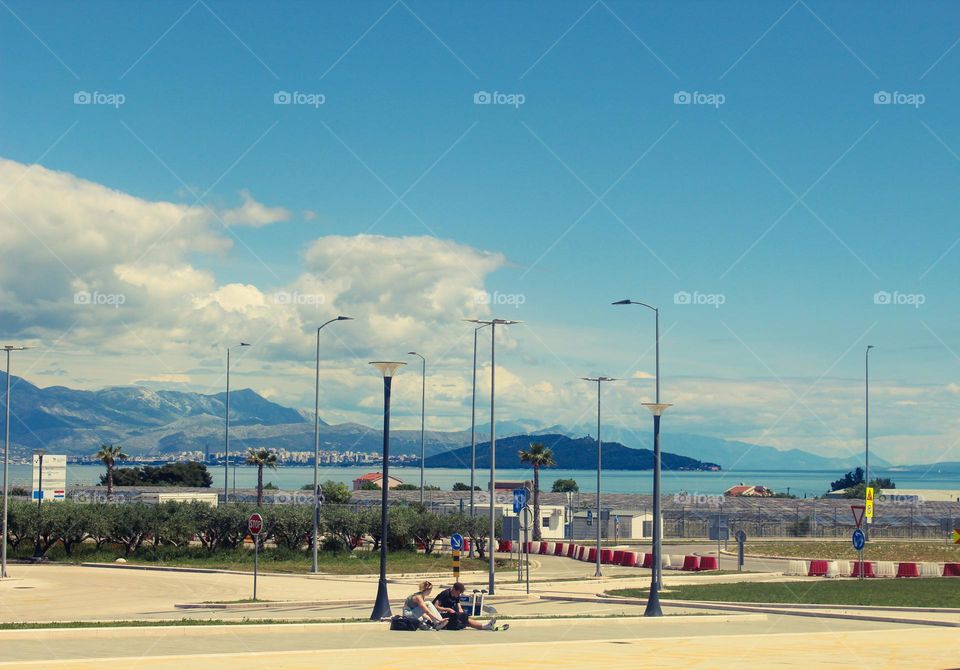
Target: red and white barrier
818	568
629	559
708	563
691	563
951	569
908	570
868	570
558	549
647	560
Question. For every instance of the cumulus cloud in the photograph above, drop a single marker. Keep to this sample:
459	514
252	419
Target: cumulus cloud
254	214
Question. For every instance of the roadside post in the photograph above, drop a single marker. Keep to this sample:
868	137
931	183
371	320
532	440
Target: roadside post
741	540
868	504
519	503
859	539
526	518
255	526
456	544
616	528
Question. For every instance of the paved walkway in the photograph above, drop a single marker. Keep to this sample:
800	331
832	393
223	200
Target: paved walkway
687	642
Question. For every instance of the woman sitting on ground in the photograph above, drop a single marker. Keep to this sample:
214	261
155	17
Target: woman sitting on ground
418	607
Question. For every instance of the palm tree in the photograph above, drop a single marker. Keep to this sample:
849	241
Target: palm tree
110	454
261	458
539	456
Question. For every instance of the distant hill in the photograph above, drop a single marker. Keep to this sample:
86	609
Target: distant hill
569	453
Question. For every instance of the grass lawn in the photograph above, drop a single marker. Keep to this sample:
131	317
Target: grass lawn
875	551
271	560
942	592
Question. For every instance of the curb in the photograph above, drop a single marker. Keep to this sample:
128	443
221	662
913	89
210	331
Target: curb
220	571
283	604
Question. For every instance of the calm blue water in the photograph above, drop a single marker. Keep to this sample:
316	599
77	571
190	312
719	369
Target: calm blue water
811	483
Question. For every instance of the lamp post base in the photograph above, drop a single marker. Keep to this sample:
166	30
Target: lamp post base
381	608
653	604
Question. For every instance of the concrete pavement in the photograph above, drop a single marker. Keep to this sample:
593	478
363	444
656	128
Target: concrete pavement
708	642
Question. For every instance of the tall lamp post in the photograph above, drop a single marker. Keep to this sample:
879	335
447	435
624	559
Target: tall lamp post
493	323
226	432
6	460
656	567
866	434
473	423
423	415
653	600
599	381
316	445
381	607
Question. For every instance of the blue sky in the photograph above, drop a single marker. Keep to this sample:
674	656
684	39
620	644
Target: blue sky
792	200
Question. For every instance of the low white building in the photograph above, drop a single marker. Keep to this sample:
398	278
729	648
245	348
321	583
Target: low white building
551	519
157	497
615	524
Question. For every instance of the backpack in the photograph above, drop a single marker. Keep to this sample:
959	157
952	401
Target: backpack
404	623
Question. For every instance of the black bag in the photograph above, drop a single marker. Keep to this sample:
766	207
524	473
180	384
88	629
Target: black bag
404	623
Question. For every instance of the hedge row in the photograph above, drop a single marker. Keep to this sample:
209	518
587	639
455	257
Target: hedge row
130	525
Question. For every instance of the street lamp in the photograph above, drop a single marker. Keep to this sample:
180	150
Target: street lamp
866	402
473	425
493	323
6	460
653	600
316	445
598	380
423	400
226	432
656	568
381	607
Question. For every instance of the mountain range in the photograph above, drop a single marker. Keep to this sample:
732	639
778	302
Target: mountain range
161	422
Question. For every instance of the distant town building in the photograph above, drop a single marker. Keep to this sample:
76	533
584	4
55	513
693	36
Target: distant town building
745	491
375	478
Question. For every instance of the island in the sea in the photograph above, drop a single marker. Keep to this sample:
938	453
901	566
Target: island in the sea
569	454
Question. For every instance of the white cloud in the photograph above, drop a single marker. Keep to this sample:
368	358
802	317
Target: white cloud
254	214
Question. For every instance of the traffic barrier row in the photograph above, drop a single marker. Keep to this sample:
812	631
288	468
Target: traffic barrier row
621	557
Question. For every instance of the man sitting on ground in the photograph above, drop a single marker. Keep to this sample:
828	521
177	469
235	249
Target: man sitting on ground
447	603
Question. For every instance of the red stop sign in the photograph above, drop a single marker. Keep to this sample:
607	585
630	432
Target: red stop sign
255	524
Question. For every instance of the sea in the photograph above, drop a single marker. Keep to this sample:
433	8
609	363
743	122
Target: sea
802	483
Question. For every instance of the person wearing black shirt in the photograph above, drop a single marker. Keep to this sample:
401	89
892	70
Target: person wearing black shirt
447	603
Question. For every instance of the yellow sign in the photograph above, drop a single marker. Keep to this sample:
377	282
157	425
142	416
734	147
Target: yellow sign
870	495
868	513
956	535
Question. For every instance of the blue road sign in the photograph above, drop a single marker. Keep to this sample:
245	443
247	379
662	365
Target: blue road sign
456	541
519	500
859	539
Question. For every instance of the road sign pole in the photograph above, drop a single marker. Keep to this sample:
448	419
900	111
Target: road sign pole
256	561
456	565
526	543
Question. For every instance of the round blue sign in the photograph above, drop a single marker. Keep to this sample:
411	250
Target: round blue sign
456	541
859	539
